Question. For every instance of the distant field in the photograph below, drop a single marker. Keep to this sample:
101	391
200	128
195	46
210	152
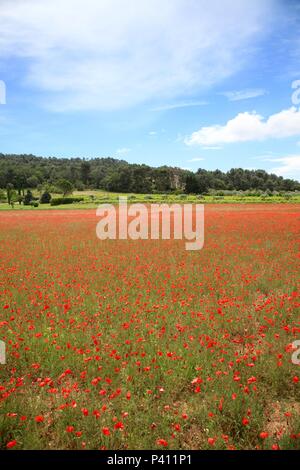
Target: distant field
93	198
143	345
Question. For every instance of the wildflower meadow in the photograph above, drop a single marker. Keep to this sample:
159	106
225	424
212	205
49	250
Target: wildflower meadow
141	344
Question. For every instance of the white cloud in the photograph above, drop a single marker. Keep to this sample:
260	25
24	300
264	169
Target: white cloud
212	147
112	54
183	104
288	166
196	159
249	127
244	94
2	92
153	133
122	151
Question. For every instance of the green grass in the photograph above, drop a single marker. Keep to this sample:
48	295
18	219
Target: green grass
93	198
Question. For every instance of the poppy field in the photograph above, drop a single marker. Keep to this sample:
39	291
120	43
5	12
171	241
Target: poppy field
123	344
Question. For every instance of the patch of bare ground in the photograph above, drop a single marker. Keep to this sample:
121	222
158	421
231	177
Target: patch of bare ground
195	435
279	418
194	438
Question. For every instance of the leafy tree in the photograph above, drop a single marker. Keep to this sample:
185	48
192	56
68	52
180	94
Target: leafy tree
85	172
162	180
32	181
204	180
79	185
9	192
119	181
141	181
65	186
29	171
192	184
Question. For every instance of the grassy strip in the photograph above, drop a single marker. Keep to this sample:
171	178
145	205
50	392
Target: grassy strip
92	200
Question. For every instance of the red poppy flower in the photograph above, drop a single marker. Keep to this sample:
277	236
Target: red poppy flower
162	442
39	419
119	425
106	431
11	444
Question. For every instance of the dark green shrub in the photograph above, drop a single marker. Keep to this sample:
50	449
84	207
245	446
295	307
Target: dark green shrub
28	198
45	198
65	200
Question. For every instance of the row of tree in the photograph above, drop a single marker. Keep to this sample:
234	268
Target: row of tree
29	171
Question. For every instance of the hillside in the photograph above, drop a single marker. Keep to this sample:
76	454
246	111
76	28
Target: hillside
29	171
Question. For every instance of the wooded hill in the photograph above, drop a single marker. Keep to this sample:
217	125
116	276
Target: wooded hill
29	171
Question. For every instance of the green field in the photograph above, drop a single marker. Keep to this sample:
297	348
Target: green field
141	344
92	198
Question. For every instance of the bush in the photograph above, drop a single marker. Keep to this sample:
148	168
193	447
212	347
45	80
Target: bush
79	186
65	200
28	198
2	196
34	204
45	198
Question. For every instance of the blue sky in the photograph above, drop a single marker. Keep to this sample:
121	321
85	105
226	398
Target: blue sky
188	83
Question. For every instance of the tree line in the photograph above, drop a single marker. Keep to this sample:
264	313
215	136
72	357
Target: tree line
22	172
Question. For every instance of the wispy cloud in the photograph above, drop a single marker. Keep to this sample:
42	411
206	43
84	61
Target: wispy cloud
238	95
184	104
196	159
108	57
249	127
2	92
288	166
212	147
122	151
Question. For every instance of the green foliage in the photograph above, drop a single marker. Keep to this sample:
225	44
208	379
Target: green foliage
85	170
65	200
29	171
65	186
2	196
192	185
9	192
45	198
32	181
28	198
